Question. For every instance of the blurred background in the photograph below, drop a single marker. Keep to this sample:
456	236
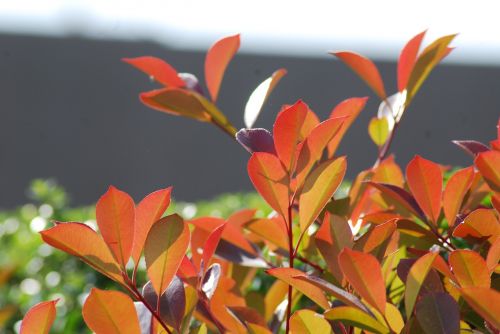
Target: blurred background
71	119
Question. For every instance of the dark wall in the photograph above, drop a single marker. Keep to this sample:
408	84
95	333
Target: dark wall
69	110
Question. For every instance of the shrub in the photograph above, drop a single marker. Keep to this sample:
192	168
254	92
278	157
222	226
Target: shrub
397	253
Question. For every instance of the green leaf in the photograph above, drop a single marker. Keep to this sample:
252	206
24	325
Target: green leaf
357	318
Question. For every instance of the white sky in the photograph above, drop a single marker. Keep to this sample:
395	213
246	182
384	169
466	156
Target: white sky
375	28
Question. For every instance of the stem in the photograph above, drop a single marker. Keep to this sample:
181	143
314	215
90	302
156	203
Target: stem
385	149
221	127
291	256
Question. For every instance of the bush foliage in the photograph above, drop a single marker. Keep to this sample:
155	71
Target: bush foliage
401	251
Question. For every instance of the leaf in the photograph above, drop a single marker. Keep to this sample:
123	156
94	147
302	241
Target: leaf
149	210
289	131
392	109
349	109
364	273
407	60
218	57
172	302
145	318
259	97
493	256
83	242
256	140
229	252
211	244
378	130
273	298
454	193
165	247
271	180
157	69
372	240
308	322
319	187
469	268
333	235
340	294
272	230
438	313
400	195
471	146
211	280
288	275
39	318
109	312
425	180
485	301
115	216
394	318
416	277
487	163
365	69
480	223
313	146
354	317
247	315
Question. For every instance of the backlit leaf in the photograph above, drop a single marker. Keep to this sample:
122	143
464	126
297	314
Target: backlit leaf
375	237
147	212
308	322
259	97
272	230
82	241
115	216
211	280
165	247
480	223
271	180
378	130
438	313
218	57
394	318
365	69
157	69
455	191
108	312
400	195
416	277
39	318
274	296
407	60
319	187
469	268
211	244
364	273
256	140
471	146
493	255
288	275
485	301
357	318
487	163
425	180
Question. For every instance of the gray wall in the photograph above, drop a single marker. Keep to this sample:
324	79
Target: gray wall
69	110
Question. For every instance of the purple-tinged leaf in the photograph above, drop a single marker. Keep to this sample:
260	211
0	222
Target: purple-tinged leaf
210	280
401	196
438	313
256	140
471	146
234	254
191	82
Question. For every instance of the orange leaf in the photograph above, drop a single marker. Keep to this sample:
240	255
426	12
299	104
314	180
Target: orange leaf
493	255
109	312
39	318
365	69
454	193
319	188
388	172
407	60
425	180
350	109
488	164
164	250
115	216
415	279
211	244
216	61
469	268
288	275
272	230
376	236
149	210
480	223
289	130
271	180
313	146
485	301
157	69
364	273
81	241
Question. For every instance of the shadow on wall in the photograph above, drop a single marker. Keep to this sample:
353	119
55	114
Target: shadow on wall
70	111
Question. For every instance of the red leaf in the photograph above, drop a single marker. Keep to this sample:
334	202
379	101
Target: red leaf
39	318
211	244
271	180
291	127
218	57
365	69
407	60
425	180
149	210
488	164
350	109
110	312
158	69
455	191
364	273
471	146
493	255
186	268
115	216
469	268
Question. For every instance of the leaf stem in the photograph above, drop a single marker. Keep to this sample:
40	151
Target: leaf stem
291	256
